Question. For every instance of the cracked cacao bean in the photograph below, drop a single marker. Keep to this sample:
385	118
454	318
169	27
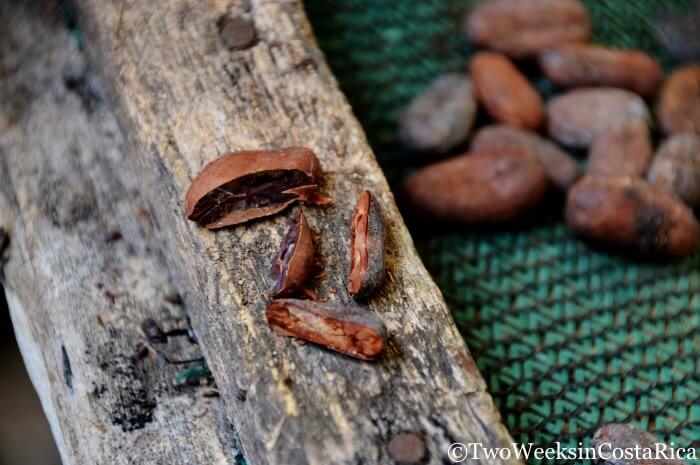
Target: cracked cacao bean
579	65
366	247
579	116
243	186
524	27
622	151
482	187
626	436
505	93
676	168
294	260
631	215
346	329
440	118
679	103
561	168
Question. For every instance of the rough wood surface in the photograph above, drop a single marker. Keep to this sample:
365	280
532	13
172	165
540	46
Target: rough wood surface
76	291
183	99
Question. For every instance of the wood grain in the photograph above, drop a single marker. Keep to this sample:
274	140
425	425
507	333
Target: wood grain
184	98
77	291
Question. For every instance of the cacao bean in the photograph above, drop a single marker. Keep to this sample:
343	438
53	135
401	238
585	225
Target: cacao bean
642	444
525	27
633	216
243	186
678	33
622	151
482	187
506	94
578	65
350	330
676	168
679	102
561	168
440	118
366	247
294	261
579	116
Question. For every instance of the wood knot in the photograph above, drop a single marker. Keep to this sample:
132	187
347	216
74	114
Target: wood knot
407	449
235	32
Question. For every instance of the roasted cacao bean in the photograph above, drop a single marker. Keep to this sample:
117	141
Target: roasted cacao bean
633	216
440	118
243	186
622	151
579	65
505	93
623	437
676	168
579	116
366	247
482	187
561	168
679	102
350	330
294	261
525	27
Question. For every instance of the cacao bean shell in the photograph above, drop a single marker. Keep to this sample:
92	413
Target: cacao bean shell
243	186
347	329
367	237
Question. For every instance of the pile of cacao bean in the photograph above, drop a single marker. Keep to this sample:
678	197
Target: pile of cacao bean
628	198
249	185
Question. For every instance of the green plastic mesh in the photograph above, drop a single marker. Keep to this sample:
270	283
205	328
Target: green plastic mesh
568	338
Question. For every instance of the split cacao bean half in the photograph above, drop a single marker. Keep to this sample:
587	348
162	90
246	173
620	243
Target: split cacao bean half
481	187
350	330
440	118
676	168
524	27
243	186
580	65
366	247
679	103
624	437
631	215
294	260
579	116
505	93
562	169
622	151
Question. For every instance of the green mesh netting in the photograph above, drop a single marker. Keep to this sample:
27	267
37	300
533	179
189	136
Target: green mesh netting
567	338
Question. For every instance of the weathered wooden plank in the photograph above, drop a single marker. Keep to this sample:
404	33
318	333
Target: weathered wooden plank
184	98
84	266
